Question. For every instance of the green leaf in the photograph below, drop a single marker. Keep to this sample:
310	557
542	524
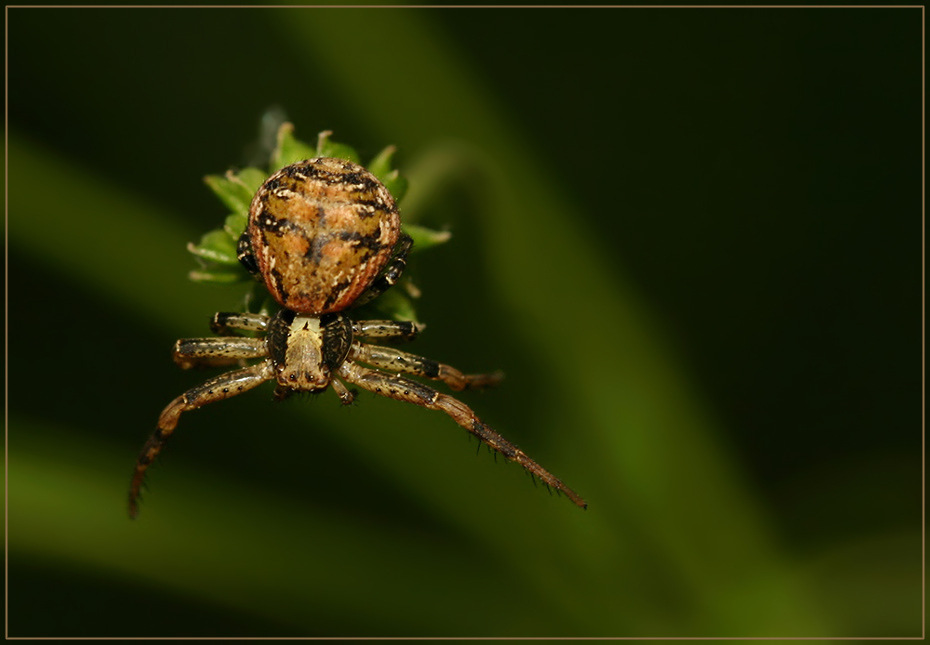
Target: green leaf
381	168
289	150
218	275
381	165
216	246
327	148
231	190
424	238
235	225
394	303
396	184
252	179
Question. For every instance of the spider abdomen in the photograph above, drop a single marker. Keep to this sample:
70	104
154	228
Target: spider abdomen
320	231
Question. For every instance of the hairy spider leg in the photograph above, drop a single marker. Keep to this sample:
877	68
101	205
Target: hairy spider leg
402	389
390	274
218	388
345	394
395	360
212	352
387	329
225	323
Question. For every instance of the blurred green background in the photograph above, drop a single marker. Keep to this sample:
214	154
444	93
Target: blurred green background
691	239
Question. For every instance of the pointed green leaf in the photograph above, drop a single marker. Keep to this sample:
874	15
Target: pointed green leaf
327	148
235	225
252	179
236	189
289	150
381	165
424	238
396	184
218	275
236	196
216	246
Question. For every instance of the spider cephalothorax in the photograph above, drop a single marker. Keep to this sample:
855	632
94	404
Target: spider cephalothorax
324	235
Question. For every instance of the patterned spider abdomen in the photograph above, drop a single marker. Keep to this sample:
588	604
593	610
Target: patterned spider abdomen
321	230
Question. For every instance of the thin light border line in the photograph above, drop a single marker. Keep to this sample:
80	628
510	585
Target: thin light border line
469	6
6	475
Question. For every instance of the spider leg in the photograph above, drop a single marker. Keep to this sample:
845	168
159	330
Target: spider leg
225	323
344	393
216	389
396	360
225	350
402	389
387	329
391	272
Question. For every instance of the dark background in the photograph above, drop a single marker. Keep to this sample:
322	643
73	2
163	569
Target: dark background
746	185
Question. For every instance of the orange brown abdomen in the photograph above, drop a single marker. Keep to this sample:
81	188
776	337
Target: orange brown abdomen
321	230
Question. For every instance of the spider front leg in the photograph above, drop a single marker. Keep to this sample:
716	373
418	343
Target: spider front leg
345	394
402	389
396	360
387	329
213	352
226	323
216	389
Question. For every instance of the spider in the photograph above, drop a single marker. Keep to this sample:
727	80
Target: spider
324	235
